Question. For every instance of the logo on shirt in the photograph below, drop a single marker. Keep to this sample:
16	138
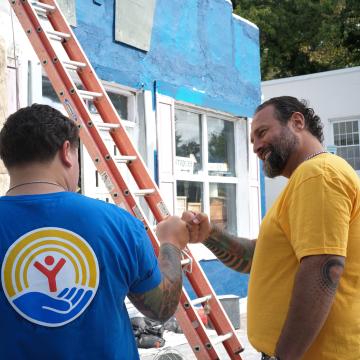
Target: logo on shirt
50	276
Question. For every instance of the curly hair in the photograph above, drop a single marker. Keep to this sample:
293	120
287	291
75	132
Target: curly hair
285	106
35	134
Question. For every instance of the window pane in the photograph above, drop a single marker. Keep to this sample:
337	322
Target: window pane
189	196
221	147
356	138
343	128
347	142
223	206
188	142
49	96
120	103
342	139
349	126
336	129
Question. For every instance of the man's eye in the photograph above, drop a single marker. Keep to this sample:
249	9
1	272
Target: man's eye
262	133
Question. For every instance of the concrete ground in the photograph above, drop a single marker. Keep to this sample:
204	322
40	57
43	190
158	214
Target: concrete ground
178	343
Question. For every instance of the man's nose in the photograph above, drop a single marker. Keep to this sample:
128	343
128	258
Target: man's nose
257	145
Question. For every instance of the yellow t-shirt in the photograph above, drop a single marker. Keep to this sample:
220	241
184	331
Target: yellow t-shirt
317	213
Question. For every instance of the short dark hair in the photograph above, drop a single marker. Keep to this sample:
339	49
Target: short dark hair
285	106
35	134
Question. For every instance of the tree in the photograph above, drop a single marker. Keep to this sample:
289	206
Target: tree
304	36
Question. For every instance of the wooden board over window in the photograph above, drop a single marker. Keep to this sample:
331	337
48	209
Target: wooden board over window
134	22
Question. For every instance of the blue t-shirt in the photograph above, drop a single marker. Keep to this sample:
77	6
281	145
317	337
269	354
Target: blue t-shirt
68	263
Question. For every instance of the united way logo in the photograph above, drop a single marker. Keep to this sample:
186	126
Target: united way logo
50	276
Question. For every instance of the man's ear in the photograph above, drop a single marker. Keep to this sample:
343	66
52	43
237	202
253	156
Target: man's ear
297	121
64	153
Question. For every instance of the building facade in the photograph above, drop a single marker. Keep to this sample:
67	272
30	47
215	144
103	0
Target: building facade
184	76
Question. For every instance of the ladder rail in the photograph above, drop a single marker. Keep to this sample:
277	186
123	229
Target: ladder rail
71	98
217	315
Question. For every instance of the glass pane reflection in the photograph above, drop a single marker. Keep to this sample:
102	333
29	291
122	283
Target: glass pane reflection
189	196
221	147
223	206
188	142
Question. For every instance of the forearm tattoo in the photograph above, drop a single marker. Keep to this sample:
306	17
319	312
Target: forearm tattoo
161	303
234	252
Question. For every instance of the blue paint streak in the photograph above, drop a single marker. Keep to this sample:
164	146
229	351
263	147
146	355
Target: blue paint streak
262	191
156	168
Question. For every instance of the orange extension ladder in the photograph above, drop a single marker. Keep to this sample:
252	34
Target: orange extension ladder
47	28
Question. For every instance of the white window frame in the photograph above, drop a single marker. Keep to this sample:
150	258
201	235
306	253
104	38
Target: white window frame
204	178
345	119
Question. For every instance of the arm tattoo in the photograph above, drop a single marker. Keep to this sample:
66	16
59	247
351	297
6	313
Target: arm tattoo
234	252
331	270
161	303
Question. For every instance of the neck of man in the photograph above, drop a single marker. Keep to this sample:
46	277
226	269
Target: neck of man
39	178
308	146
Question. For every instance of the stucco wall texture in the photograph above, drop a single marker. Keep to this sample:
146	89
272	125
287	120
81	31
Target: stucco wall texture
200	53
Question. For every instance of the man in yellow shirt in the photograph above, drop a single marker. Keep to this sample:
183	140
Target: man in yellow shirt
304	288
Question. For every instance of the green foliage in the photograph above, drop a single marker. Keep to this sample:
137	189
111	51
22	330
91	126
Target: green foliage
300	37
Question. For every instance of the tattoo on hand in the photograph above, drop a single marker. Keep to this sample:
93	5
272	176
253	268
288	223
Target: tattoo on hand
161	303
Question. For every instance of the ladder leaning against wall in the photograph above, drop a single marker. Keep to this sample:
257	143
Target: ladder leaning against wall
60	54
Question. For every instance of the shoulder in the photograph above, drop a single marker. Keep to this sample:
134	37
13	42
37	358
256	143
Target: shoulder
327	166
98	207
328	174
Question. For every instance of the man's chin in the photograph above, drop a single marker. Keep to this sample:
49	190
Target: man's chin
270	171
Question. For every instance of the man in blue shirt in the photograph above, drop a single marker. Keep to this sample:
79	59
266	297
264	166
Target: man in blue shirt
69	261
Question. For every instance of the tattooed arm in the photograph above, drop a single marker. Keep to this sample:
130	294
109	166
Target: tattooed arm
161	302
234	252
314	290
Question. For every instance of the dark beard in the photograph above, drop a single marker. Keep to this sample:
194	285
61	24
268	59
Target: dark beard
280	153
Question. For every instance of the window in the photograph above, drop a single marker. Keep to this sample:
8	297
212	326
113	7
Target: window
205	165
346	139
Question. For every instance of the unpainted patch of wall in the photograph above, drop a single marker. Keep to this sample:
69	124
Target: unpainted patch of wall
200	53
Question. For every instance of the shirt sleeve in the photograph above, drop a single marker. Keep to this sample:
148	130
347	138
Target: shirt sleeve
319	216
148	274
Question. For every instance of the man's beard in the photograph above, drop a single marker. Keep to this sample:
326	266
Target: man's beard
281	150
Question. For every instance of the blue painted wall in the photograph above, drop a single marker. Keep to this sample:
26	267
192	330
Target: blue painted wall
224	280
200	53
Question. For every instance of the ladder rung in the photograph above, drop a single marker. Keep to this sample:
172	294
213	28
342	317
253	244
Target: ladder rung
201	300
124	159
57	35
73	65
143	192
185	261
40	11
222	338
43	6
106	126
89	95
